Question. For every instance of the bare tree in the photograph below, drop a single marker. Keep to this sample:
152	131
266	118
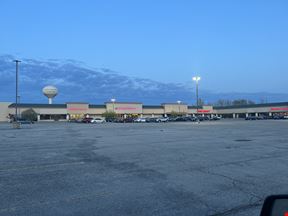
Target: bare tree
201	102
242	102
225	102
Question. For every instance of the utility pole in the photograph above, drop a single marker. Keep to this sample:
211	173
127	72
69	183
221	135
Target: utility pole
197	79
19	102
16	104
197	97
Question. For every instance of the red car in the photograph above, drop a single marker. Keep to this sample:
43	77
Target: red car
87	120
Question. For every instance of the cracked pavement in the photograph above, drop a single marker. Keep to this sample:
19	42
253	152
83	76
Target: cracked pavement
213	168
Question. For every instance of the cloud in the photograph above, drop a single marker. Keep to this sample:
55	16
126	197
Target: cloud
60	82
80	83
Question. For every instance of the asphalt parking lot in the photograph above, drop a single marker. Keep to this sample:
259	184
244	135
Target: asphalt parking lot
213	168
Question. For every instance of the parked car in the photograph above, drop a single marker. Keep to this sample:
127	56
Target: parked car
24	121
118	120
98	120
125	120
215	118
172	119
278	117
162	119
111	119
140	120
129	120
187	118
181	119
203	118
250	118
193	118
260	117
75	120
86	120
152	119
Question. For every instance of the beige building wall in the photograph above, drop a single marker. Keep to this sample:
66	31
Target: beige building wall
97	111
125	108
20	110
52	111
41	111
181	108
192	111
153	111
202	110
4	111
208	108
77	108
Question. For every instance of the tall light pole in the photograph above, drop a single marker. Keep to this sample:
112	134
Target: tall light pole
197	79
179	102
113	102
16	105
19	105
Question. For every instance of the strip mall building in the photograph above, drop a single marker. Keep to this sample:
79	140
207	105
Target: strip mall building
78	110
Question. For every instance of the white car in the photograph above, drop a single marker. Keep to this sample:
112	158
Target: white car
140	120
162	119
98	120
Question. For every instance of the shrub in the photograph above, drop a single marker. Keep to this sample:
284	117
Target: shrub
29	114
109	115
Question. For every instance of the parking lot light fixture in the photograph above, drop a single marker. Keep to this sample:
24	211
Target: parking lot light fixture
197	79
113	100
179	102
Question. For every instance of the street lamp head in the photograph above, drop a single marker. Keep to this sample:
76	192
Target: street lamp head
196	78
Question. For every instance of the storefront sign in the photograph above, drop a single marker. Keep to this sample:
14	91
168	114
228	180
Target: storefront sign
127	108
279	109
204	111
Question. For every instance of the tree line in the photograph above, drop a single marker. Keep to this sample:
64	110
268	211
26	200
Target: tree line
237	102
227	102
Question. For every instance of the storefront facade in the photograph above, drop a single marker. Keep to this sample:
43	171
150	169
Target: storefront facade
78	110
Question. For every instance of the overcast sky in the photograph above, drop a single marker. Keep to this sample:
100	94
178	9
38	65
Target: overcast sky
239	45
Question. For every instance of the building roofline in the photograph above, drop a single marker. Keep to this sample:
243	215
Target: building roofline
195	107
37	105
97	106
32	105
118	102
173	104
76	103
153	107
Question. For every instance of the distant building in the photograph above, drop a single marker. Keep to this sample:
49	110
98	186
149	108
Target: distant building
76	110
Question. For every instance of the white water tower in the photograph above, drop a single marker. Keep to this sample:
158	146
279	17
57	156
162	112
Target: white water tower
50	92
